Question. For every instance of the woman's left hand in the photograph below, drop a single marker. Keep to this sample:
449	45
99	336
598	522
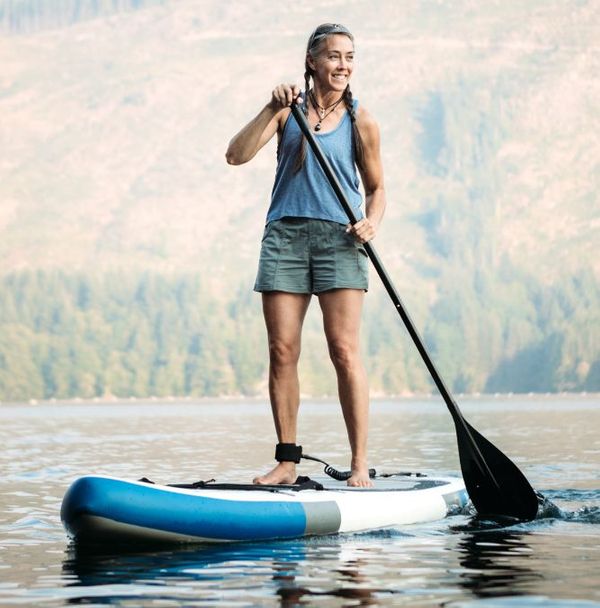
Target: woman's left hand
364	230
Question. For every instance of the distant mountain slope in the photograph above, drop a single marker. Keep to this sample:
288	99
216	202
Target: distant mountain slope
114	129
116	117
27	16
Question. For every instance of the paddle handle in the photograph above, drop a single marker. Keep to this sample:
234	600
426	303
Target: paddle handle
378	265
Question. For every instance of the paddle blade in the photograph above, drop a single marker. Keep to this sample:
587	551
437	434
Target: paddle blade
500	490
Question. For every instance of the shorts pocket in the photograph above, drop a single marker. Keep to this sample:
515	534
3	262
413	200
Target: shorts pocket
361	249
267	231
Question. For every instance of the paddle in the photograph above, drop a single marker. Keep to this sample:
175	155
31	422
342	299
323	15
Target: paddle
494	483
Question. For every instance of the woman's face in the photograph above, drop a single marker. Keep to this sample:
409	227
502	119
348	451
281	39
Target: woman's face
334	63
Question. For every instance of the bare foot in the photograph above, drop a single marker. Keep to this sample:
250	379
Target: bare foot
284	472
360	477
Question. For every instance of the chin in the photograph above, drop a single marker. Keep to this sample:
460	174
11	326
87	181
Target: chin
339	86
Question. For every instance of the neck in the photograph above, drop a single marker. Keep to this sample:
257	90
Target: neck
326	97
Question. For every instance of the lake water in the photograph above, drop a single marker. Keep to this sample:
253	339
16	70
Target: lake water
554	561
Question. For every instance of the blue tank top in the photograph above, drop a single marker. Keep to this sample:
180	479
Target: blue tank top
307	193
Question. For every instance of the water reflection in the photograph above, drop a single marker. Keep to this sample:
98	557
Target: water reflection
349	572
261	571
492	563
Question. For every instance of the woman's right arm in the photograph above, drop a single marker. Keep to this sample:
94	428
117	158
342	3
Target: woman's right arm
244	146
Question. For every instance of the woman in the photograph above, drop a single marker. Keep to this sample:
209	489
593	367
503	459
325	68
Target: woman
308	247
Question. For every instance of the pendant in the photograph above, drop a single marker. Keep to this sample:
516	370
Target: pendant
318	126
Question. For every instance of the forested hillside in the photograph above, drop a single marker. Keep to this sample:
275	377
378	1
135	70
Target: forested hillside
75	335
128	247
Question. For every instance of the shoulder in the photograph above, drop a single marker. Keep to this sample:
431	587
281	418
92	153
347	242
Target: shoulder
367	125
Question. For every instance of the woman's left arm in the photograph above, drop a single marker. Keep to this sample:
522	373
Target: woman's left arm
372	178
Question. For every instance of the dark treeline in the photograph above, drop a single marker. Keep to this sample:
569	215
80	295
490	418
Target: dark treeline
65	335
26	16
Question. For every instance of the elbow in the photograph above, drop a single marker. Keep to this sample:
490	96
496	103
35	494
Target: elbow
234	158
235	154
231	157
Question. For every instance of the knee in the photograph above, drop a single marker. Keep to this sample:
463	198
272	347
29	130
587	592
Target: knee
283	353
344	354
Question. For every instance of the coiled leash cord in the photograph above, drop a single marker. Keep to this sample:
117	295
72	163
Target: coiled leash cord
334	473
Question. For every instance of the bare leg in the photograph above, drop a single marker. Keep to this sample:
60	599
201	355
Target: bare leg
342	310
284	314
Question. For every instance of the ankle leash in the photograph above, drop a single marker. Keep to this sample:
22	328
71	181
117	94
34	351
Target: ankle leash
290	452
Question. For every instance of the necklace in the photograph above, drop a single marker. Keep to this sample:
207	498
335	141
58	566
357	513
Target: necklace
321	111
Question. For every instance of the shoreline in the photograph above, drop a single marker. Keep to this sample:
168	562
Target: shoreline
242	399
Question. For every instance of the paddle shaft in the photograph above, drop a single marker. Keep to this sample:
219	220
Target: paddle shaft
387	282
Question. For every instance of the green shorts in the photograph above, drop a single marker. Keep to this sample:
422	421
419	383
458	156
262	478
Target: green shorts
303	255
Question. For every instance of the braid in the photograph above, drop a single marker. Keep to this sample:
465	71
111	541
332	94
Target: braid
307	75
357	143
302	147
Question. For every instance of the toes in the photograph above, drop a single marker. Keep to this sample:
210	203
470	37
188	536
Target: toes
360	482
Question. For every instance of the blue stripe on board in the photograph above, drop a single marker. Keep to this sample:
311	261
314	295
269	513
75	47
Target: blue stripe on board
158	509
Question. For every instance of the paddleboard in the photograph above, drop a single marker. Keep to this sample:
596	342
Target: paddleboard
100	509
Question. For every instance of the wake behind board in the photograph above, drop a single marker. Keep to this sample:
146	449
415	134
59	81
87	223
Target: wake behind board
99	509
